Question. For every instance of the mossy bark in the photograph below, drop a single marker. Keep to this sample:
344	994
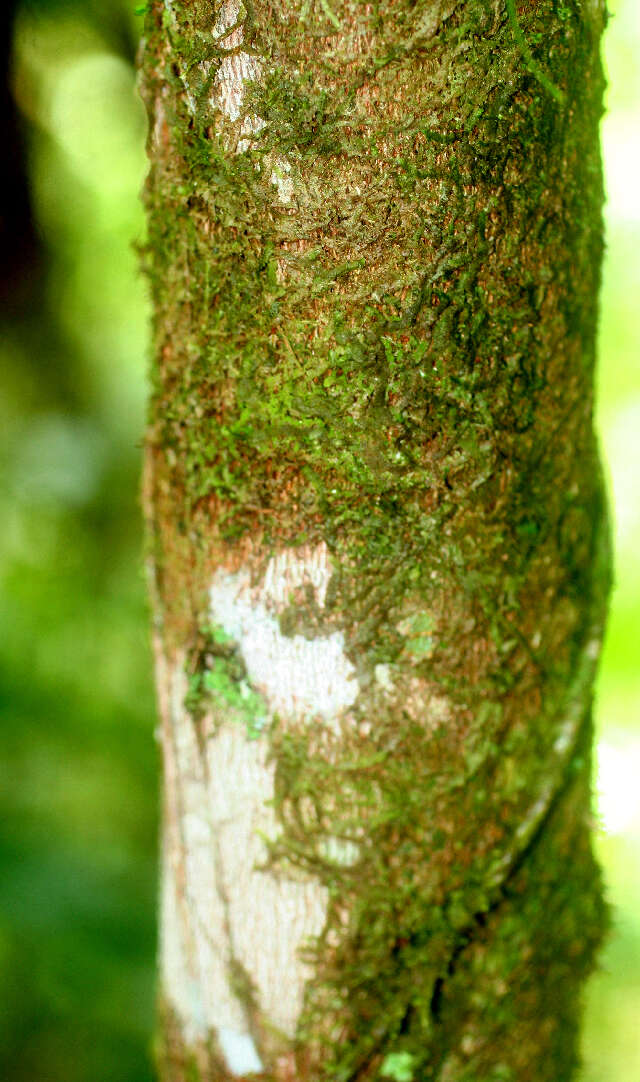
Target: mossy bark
374	252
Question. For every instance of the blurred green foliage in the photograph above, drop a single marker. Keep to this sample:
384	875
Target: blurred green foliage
611	1045
78	803
78	800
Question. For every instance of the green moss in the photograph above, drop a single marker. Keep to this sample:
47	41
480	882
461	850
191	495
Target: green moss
300	118
527	55
218	683
417	630
398	1066
398	363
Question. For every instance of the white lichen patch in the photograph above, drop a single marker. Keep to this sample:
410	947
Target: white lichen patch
268	917
195	952
240	1052
223	910
235	70
339	851
299	678
218	909
234	73
281	179
382	674
292	569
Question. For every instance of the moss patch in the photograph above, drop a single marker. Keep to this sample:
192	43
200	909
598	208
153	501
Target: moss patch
398	362
218	682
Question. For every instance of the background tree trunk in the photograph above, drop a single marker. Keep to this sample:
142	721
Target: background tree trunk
378	543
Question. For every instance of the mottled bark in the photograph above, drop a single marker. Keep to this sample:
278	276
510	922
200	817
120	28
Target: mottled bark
377	537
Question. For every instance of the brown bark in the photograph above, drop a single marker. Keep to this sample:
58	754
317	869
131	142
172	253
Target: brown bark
378	539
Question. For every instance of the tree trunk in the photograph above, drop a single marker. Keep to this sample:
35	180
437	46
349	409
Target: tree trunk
377	536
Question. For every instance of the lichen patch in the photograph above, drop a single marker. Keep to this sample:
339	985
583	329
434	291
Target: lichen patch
299	678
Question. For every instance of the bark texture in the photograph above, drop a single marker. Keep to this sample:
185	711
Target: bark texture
377	536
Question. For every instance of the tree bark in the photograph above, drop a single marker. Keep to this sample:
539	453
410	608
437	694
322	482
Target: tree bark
377	536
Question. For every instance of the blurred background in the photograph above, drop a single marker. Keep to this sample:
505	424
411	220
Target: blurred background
78	792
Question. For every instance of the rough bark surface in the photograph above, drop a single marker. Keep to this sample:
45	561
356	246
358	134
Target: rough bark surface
378	541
